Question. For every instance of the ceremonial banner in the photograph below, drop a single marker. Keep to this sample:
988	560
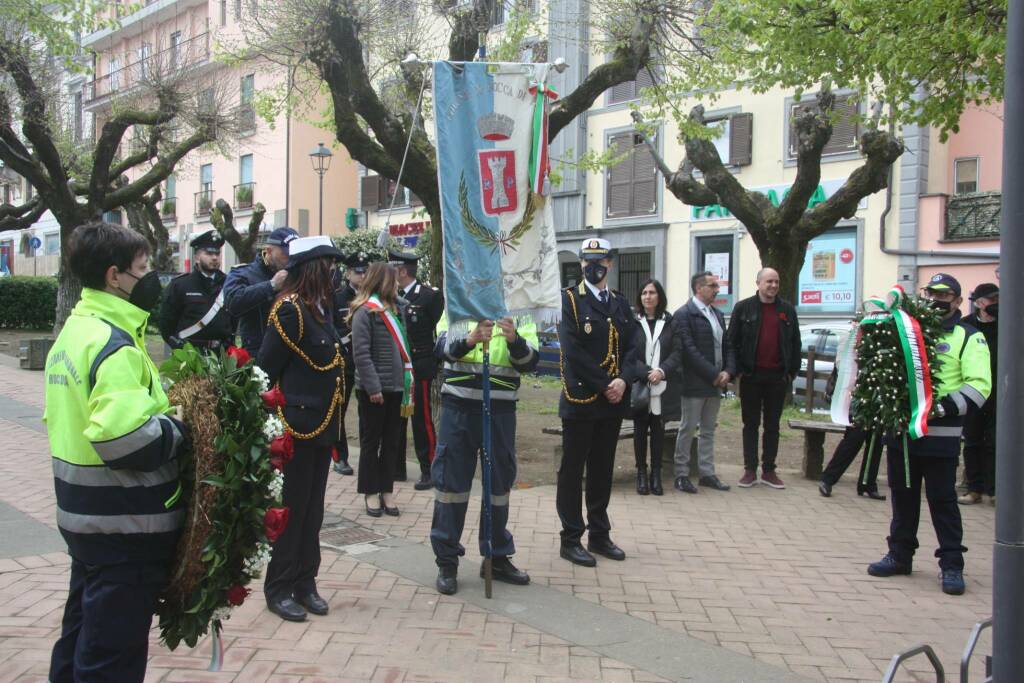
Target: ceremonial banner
500	254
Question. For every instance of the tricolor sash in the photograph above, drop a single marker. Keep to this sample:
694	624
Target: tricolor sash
397	330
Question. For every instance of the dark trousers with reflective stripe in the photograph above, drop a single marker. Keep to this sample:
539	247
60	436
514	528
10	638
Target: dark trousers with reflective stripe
423	437
854	439
105	630
295	560
586	445
458	449
938	472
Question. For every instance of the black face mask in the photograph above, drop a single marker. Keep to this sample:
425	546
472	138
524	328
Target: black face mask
146	293
594	272
943	306
992	310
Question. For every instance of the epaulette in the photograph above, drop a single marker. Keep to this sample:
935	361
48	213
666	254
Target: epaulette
239	265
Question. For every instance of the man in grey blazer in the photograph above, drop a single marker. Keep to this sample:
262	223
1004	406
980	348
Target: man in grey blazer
709	363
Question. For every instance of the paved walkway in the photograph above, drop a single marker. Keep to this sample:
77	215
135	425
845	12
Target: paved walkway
749	585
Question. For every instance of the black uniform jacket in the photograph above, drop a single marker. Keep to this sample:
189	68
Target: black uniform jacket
249	296
187	298
423	312
343	296
583	335
309	392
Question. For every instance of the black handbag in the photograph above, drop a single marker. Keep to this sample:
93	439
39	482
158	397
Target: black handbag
640	397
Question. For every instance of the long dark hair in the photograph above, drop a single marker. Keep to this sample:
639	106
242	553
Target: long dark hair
662	303
312	281
382	280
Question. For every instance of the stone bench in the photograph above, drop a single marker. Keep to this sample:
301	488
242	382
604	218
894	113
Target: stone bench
814	444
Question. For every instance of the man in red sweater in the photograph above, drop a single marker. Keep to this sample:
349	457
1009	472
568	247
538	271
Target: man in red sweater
765	332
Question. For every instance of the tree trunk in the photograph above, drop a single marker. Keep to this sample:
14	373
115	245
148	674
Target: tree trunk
787	258
69	291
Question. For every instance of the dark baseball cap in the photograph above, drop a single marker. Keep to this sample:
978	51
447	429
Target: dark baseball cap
985	289
280	237
944	282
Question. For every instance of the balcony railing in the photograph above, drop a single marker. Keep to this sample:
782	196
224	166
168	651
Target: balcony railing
169	208
244	195
185	55
204	202
245	118
973	216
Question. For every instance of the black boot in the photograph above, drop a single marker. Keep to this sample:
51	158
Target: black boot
656	482
641	480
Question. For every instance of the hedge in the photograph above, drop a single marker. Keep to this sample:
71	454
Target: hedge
28	302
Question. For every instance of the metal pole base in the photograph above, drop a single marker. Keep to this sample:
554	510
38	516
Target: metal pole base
1008	629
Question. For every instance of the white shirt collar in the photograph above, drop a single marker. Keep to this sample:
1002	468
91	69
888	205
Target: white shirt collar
594	290
410	287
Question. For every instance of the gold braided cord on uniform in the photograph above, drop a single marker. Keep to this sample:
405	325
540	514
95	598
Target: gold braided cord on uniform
337	362
610	362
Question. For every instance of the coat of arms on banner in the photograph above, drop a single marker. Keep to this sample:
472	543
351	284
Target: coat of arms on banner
498	181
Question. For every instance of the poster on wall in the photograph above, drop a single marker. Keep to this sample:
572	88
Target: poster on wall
828	279
714	253
719	265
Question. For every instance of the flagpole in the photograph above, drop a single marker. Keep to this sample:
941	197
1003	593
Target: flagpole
485	469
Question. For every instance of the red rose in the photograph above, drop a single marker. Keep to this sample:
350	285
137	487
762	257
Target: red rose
236	595
274	523
240	355
282	449
273	399
782	317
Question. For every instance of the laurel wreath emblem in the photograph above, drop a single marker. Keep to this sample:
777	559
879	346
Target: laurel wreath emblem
507	240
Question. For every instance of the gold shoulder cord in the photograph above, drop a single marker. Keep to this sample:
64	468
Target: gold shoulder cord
610	362
337	362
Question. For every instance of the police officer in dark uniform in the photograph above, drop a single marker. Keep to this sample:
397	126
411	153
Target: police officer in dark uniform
424	310
355	270
250	288
193	306
599	363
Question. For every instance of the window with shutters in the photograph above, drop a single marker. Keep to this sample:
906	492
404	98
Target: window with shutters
631	90
734	141
845	126
631	186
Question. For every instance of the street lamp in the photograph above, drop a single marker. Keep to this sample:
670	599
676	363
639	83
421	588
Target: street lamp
321	158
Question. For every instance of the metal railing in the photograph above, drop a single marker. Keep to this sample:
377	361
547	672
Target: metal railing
927	651
184	55
204	202
973	216
245	118
972	642
244	195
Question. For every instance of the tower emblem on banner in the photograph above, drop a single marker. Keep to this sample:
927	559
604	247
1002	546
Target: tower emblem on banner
498	191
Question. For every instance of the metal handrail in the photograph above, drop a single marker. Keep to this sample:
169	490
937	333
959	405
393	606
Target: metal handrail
972	642
940	673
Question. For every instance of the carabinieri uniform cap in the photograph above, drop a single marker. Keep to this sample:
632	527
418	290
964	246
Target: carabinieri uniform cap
402	258
208	241
595	249
303	249
358	261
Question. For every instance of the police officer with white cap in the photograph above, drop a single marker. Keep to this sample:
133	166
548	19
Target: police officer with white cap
193	305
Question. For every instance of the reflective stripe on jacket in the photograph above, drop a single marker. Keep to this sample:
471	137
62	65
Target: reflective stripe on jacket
114	449
463	364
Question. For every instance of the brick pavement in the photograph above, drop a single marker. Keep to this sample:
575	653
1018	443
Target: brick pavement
774	575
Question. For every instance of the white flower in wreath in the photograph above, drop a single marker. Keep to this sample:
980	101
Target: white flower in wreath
261	377
221	613
276	486
273	427
258	560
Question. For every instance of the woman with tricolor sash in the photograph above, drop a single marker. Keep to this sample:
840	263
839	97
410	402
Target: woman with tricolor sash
384	381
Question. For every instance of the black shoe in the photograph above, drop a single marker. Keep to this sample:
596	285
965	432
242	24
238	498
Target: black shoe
641	481
873	495
825	489
287	609
446	583
313	603
374	512
889	566
656	482
424	482
342	467
503	570
685	485
391	512
713	482
604	546
575	553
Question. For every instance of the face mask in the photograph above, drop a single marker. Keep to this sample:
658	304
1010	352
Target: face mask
992	310
594	272
146	292
943	306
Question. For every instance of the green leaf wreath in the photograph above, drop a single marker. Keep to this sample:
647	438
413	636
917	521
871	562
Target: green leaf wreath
233	484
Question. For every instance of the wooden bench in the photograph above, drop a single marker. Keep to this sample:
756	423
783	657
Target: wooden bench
626	434
814	444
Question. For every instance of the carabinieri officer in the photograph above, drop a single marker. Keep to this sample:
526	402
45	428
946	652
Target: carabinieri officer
598	348
344	292
193	307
